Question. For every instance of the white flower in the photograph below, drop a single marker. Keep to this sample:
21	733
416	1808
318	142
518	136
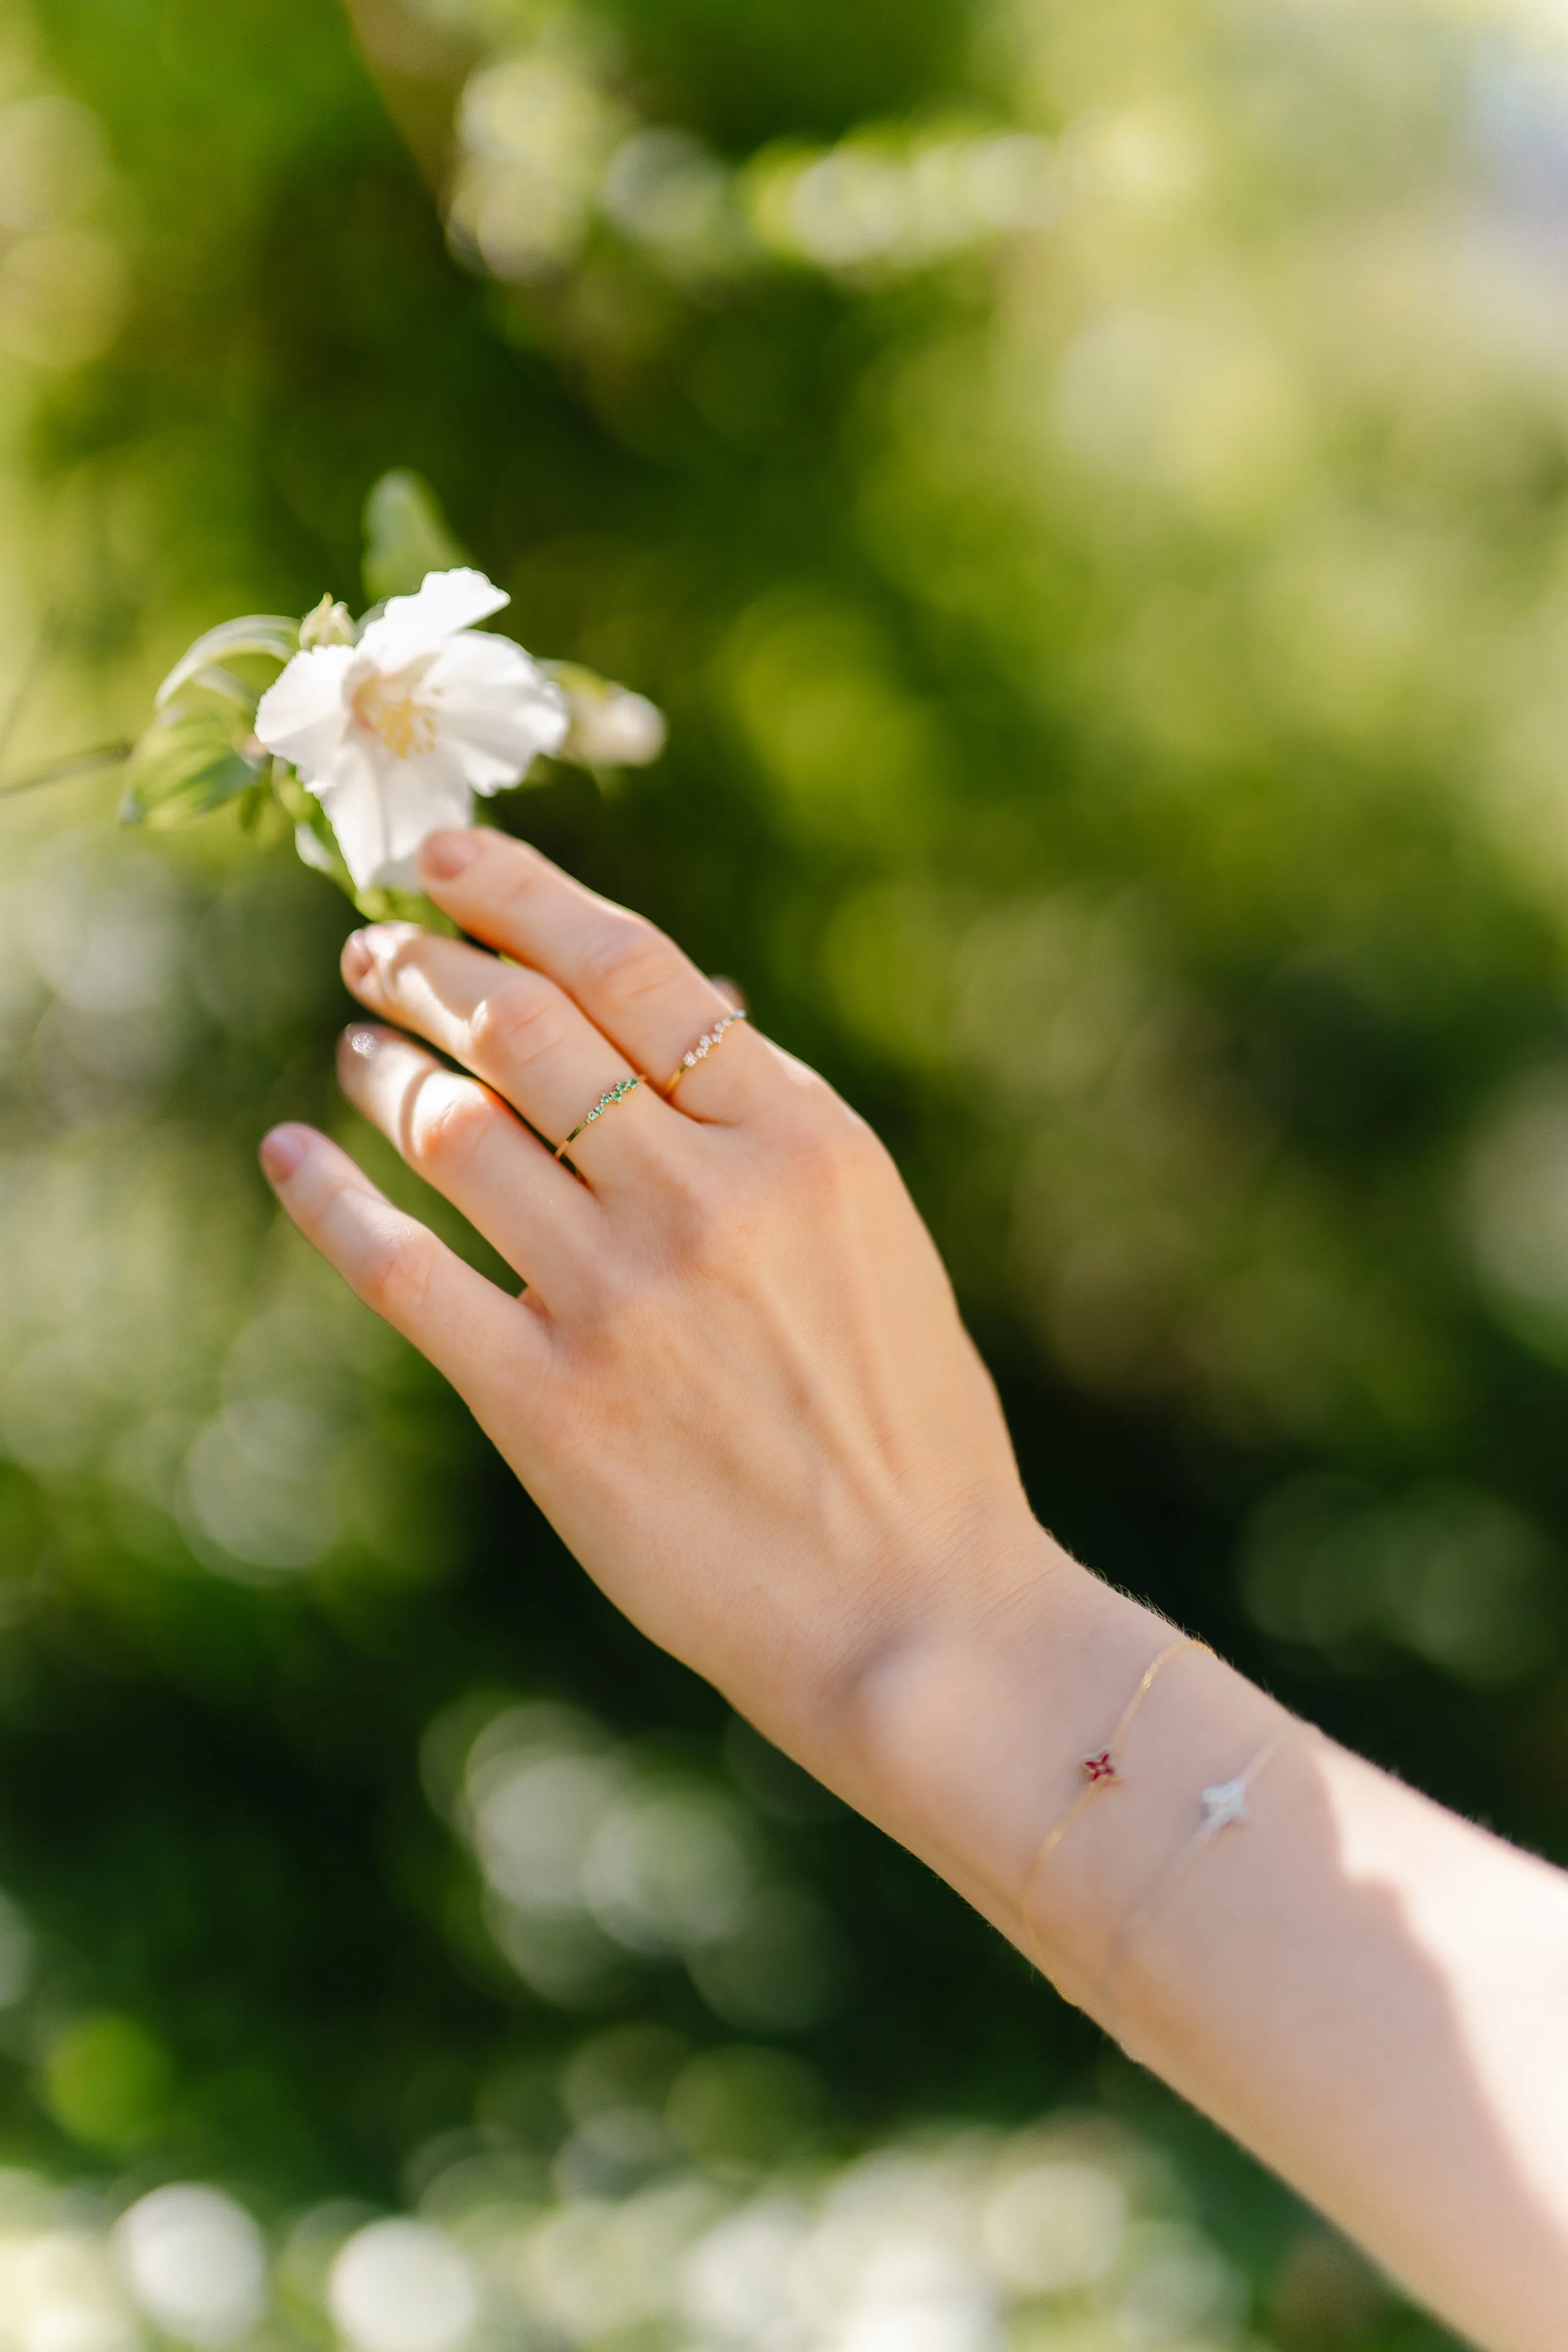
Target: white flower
396	734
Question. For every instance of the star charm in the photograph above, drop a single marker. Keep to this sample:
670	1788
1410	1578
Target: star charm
1101	1767
1224	1803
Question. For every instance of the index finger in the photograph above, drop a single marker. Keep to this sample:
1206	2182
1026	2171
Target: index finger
633	983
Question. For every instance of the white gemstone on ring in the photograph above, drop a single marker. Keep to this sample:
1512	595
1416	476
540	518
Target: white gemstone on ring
704	1046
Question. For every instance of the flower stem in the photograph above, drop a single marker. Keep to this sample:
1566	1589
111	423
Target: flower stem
103	755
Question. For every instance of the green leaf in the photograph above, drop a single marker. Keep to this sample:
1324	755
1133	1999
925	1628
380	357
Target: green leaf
195	755
406	535
213	678
269	635
252	806
313	837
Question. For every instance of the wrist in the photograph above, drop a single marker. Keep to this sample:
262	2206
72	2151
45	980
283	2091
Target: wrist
972	1733
959	1728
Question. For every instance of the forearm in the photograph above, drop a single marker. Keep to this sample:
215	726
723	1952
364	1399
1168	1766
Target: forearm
1370	1993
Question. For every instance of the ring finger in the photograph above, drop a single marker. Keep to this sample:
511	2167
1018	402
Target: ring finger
522	1035
465	1143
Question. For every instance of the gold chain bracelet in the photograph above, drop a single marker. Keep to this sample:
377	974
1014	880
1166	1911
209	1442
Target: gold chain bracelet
1101	1770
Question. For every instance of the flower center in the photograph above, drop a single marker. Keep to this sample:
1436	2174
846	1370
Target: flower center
389	705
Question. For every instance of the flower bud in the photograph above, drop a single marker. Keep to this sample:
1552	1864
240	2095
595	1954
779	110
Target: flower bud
610	725
327	623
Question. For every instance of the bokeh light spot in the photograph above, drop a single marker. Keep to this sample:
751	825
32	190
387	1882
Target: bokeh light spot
402	2286
196	2263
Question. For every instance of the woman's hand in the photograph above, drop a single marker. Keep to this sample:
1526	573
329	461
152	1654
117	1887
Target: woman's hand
737	1384
736	1381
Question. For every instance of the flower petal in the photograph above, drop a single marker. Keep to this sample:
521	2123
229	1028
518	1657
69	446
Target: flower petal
447	602
380	809
351	795
303	716
419	802
496	710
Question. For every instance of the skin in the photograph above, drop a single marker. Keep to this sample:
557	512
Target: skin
737	1383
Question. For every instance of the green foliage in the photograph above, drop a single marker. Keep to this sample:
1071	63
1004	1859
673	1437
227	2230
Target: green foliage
199	751
266	636
198	754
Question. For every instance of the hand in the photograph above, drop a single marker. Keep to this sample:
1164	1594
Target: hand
736	1380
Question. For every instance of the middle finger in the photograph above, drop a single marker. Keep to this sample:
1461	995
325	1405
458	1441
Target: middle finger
522	1035
478	1153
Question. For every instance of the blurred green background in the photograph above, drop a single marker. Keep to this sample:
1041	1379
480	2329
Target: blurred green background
1090	486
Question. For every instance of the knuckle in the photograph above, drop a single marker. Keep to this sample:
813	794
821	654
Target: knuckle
396	1277
828	1152
518	1022
521	870
448	1125
630	959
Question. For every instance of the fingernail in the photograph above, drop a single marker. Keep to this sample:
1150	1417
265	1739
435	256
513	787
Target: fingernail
447	854
363	1042
357	955
282	1151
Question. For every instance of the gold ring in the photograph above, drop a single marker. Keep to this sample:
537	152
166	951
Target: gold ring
607	1101
704	1045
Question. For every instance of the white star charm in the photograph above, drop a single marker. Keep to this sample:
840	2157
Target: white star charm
1225	1803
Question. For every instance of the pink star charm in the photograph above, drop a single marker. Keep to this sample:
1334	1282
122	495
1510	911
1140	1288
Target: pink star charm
1102	1766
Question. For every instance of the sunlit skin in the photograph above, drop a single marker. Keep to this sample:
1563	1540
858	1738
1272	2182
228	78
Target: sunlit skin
737	1383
